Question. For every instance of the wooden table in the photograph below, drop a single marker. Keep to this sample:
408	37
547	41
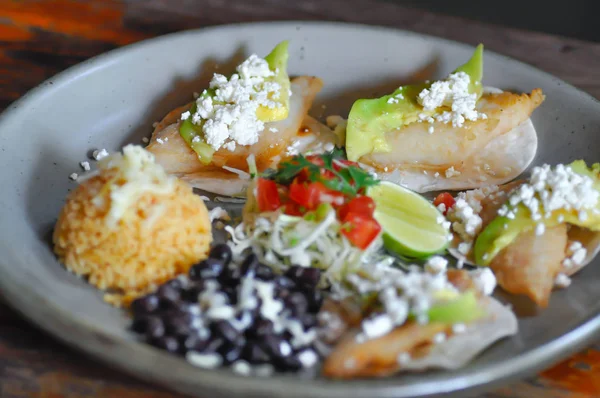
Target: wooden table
40	38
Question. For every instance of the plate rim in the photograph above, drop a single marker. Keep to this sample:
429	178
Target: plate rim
490	374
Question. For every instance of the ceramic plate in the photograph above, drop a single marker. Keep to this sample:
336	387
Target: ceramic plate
113	99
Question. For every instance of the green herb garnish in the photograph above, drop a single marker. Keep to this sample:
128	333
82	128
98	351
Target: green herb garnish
349	180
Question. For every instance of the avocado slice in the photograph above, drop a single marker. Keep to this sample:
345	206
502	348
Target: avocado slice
502	231
464	308
370	119
277	60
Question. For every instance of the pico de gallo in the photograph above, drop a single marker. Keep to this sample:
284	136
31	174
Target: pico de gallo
307	185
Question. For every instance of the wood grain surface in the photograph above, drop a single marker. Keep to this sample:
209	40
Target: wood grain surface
40	38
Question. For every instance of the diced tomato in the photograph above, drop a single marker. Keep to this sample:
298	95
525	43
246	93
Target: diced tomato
307	194
267	195
360	229
446	199
312	194
293	209
362	205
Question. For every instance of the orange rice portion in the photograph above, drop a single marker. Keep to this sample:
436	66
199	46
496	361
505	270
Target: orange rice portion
159	237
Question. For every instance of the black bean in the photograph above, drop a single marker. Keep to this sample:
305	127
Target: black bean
315	300
296	303
231	276
289	363
272	345
140	324
221	252
308	320
249	264
306	276
230	353
214	345
155	328
283	282
145	305
178	327
192	342
264	272
225	330
260	329
192	292
169	293
206	269
254	354
168	343
232	294
282	293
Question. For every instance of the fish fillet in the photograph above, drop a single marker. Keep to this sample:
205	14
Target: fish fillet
171	151
482	152
530	263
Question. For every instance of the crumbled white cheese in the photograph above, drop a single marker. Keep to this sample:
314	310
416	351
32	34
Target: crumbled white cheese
185	115
540	229
576	255
436	264
241	367
464	248
377	326
308	358
231	115
439	338
451	172
459	328
484	279
441	207
431	129
160	141
452	93
562	280
392	100
99	154
208	361
403	358
552	189
85	165
73	176
464	215
136	167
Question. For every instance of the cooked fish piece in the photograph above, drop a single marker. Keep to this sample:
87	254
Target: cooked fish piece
377	357
171	151
383	356
529	265
487	151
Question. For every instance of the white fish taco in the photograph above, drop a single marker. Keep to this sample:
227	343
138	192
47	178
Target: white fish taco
449	134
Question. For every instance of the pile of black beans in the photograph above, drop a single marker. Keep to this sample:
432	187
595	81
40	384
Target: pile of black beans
169	318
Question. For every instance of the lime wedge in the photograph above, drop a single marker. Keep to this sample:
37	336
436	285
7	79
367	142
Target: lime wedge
409	221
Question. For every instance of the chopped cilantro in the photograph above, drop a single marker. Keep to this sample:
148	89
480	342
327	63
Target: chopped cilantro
349	180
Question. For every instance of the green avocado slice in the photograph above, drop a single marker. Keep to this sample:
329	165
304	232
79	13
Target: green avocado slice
370	119
502	231
465	308
277	60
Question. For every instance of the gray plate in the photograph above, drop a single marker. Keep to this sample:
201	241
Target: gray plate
114	99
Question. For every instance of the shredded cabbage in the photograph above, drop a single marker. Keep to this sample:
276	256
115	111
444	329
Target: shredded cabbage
283	240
